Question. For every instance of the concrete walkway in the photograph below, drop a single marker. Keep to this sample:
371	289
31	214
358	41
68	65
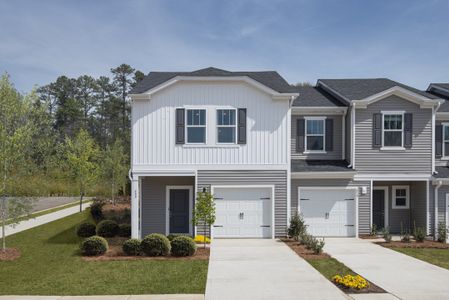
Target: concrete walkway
263	269
401	275
108	297
30	223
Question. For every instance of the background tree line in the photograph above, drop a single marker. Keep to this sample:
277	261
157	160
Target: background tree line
72	136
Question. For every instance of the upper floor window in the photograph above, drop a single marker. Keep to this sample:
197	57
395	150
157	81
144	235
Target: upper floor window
226	126
315	134
401	197
196	126
446	139
393	128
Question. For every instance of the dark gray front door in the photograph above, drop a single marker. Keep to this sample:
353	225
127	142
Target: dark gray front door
179	211
379	208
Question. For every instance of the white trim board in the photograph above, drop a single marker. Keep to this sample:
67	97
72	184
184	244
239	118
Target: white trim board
386	200
167	205
407	196
447	213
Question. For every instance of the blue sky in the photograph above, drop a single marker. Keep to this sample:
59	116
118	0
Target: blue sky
303	40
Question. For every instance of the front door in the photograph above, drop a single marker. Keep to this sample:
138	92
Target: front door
379	209
179	211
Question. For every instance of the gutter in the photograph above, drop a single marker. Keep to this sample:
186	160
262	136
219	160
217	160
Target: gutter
435	196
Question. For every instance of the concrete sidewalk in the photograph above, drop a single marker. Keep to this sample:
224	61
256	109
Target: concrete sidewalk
109	297
263	269
47	218
401	275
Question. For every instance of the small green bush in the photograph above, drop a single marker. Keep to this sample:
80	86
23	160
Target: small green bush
132	247
317	246
94	245
183	246
297	227
442	232
420	234
155	245
107	228
387	235
373	231
96	210
171	236
124	230
85	230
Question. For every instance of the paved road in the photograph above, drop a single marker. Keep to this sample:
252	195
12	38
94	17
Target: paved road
50	202
263	269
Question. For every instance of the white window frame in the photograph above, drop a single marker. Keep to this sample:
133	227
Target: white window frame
384	113
193	126
407	196
443	156
323	134
217	126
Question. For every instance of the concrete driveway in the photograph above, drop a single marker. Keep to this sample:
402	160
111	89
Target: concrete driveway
399	274
263	269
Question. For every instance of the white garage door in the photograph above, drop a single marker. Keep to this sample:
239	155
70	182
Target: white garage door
328	212
242	212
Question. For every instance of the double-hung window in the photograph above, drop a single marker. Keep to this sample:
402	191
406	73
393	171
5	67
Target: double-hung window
445	139
196	126
315	134
401	197
226	126
393	129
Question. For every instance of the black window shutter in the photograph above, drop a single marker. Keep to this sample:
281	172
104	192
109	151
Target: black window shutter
408	130
377	130
241	126
300	133
329	134
180	126
438	140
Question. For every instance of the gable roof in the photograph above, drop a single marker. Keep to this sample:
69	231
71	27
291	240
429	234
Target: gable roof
358	89
441	90
270	79
315	97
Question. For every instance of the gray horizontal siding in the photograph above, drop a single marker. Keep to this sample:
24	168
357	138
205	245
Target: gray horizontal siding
364	200
439	161
442	191
154	201
336	154
418	159
278	178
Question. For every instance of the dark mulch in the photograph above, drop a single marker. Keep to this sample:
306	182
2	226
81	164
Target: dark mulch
9	254
426	244
302	251
370	237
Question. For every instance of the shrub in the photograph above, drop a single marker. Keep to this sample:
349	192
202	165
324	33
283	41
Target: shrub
94	245
351	282
85	230
132	247
442	232
119	215
297	227
387	235
171	236
405	235
420	234
96	210
183	246
373	230
107	228
155	245
124	230
317	246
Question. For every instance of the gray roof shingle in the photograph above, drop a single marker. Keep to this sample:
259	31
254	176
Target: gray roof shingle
440	90
443	172
315	96
271	79
357	89
302	165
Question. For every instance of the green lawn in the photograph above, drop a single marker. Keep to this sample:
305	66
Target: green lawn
50	265
439	257
329	267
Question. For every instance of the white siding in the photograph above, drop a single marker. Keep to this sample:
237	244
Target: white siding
153	123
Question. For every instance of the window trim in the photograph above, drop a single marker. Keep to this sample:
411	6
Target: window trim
217	126
443	141
392	130
318	118
195	126
407	196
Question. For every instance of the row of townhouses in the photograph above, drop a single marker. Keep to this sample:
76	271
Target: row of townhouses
348	154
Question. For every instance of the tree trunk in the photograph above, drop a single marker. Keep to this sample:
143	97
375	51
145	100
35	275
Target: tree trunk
81	201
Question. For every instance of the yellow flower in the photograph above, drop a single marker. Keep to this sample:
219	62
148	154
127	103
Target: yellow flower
201	238
350	281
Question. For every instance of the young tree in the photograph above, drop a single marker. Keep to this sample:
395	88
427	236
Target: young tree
16	131
204	212
82	154
116	167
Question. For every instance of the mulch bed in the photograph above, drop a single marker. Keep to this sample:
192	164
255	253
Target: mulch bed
424	245
9	254
370	237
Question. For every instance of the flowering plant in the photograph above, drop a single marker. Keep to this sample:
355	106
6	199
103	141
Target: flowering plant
350	281
201	239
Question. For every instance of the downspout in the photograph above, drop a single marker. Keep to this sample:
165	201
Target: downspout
435	195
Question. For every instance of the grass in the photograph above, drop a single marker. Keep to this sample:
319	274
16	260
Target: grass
439	257
50	265
329	267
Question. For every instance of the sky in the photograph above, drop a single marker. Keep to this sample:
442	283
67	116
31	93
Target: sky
407	41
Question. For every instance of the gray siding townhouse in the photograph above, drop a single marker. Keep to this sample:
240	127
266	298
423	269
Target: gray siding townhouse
347	154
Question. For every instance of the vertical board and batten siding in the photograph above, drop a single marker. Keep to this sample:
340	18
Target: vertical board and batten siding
440	161
153	126
442	191
335	154
153	209
278	178
364	200
348	129
417	159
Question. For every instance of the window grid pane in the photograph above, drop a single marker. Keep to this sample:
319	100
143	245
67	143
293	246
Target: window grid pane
315	127
315	143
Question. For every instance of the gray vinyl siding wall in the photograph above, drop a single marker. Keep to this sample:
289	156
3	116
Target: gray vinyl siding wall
439	161
335	154
364	200
417	159
278	178
442	191
417	214
154	201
